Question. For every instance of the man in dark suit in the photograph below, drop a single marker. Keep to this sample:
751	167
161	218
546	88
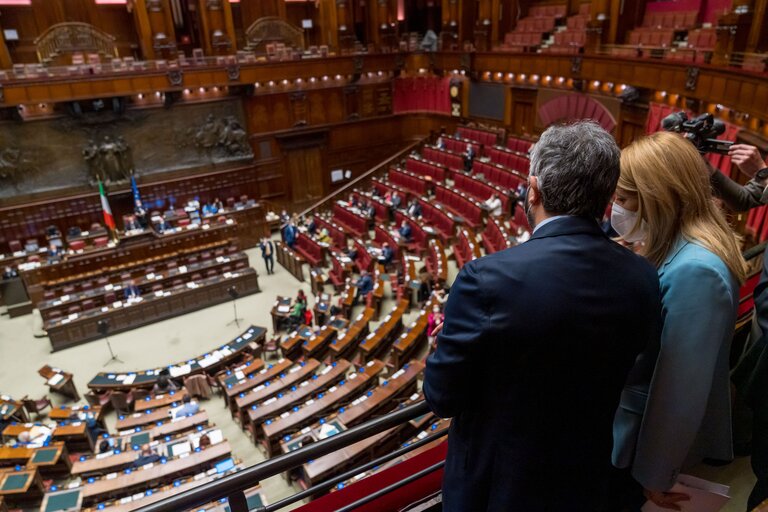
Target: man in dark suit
267	252
131	290
538	341
364	285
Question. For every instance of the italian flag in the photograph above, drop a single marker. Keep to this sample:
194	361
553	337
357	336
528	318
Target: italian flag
109	220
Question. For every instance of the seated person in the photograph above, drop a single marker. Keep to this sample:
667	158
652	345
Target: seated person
217	205
364	285
307	317
301	298
104	446
10	273
414	209
35	437
164	383
387	254
297	316
74	232
405	232
93	427
140	213
493	204
370	211
208	210
189	408
350	251
162	226
193	204
131	291
131	224
146	456
54	254
204	442
312	227
324	237
396	201
440	144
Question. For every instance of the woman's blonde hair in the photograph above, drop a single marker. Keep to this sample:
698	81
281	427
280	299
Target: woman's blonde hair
675	198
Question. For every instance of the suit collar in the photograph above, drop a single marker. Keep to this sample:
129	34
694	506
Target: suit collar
677	246
568	225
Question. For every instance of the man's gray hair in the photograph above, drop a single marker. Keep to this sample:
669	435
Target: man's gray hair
577	167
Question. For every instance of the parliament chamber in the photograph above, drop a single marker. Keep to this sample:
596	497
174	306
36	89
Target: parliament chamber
158	156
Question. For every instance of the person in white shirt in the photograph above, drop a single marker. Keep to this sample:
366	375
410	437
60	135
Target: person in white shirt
493	204
522	235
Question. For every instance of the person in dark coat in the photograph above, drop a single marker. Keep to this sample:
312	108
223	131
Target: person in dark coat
268	253
538	341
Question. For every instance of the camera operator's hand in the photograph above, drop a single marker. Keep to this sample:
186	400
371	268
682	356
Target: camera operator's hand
747	158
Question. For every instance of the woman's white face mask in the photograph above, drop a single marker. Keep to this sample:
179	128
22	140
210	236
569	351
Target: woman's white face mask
623	221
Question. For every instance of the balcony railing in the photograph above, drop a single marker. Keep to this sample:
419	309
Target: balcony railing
232	487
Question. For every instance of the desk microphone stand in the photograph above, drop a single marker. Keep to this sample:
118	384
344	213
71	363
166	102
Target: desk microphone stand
103	328
234	294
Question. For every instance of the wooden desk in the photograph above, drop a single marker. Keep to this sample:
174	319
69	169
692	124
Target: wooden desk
296	374
291	346
11	410
237	390
68	500
280	316
139	419
51	460
346	342
272	430
165	428
75	435
127	483
11	456
317	384
401	383
59	381
348	297
249	341
322	468
145	247
145	283
378	341
291	261
73	412
172	398
413	339
180	300
317	345
21	486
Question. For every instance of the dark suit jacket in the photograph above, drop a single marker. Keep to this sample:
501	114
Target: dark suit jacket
537	343
365	285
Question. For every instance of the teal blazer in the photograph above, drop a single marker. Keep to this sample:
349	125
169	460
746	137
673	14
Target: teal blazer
675	409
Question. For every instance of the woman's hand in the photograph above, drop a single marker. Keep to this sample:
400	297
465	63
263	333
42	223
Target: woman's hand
437	329
668	500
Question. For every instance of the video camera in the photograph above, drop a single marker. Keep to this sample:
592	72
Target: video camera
701	131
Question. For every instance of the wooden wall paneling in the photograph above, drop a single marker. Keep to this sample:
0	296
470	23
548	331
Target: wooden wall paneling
631	124
117	21
217	27
623	17
523	110
252	10
332	26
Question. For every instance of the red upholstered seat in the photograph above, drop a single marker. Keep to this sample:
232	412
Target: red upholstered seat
77	245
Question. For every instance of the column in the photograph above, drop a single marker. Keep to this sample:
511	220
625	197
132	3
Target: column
154	22
217	26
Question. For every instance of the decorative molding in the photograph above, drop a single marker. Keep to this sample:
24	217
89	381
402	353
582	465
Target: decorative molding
233	72
175	77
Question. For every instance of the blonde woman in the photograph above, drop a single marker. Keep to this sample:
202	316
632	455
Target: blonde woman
675	408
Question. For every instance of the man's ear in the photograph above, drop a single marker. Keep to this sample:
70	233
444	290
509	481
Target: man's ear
533	196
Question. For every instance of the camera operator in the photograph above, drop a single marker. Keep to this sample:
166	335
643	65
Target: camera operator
737	197
750	376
